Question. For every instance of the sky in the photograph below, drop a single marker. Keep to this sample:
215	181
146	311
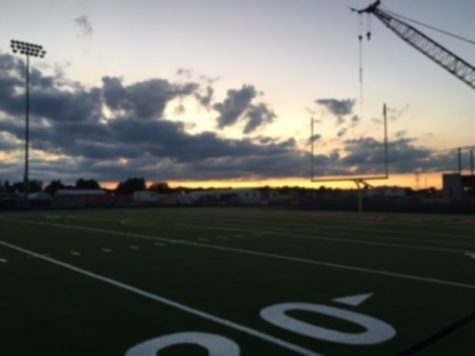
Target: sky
222	92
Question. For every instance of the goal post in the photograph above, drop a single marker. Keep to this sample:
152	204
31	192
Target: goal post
359	180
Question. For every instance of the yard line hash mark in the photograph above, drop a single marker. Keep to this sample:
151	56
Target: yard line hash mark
168	302
258	253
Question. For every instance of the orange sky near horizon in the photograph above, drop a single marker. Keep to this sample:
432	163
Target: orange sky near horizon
429	180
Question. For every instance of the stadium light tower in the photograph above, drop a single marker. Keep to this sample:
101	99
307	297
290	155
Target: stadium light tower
29	50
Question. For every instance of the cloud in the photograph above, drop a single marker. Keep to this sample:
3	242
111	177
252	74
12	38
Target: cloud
68	124
337	107
84	25
315	138
257	116
145	100
355	120
238	106
404	156
396	113
235	105
205	98
67	121
342	132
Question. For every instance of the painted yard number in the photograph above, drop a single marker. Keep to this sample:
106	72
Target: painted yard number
376	331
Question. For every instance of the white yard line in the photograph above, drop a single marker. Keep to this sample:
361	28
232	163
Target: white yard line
3	260
261	254
323	238
168	302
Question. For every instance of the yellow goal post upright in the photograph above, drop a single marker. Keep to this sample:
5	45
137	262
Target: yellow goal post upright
360	181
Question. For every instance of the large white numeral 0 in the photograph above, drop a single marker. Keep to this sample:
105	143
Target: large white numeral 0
377	331
216	345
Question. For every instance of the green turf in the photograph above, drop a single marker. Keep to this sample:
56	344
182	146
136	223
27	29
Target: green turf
232	263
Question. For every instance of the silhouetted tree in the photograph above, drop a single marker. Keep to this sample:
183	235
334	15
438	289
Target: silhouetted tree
54	186
8	187
34	186
130	185
160	187
87	184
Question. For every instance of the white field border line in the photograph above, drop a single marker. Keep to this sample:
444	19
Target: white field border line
264	254
131	222
323	238
168	302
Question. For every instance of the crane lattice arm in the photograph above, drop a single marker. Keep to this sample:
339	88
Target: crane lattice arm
439	54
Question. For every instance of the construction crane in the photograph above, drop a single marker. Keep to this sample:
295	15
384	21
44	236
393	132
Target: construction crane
427	46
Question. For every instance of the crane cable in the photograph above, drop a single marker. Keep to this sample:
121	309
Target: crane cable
360	42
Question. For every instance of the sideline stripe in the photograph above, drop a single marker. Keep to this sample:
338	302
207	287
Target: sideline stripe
169	302
260	254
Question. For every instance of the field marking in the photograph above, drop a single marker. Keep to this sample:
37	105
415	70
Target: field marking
260	254
470	254
106	250
75	253
354	300
3	260
166	301
304	235
134	247
323	238
469	239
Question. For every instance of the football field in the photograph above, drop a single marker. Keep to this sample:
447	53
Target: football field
236	281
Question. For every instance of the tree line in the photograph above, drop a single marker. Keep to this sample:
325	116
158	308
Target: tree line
128	186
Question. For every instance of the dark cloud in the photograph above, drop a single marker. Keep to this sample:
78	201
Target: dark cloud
337	107
235	105
355	120
67	120
205	98
238	106
315	138
258	115
84	25
145	99
342	132
404	156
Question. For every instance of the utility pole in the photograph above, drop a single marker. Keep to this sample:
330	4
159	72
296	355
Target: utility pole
29	50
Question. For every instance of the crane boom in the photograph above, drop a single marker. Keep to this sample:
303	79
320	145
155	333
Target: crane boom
427	46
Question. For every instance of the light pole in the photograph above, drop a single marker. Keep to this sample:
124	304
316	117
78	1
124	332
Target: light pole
30	50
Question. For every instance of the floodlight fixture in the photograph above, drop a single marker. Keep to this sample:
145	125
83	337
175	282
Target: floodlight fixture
30	50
